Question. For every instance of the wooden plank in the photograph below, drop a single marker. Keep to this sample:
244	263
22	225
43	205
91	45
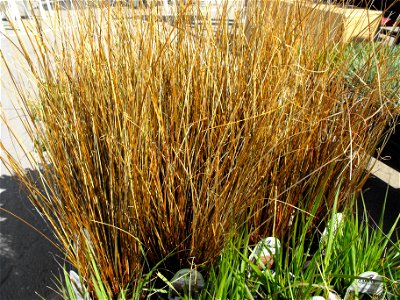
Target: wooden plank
384	173
359	23
344	23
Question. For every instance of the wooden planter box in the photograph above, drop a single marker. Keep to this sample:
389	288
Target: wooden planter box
359	23
339	24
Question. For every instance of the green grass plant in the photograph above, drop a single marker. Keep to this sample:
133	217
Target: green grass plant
159	139
356	247
301	269
362	68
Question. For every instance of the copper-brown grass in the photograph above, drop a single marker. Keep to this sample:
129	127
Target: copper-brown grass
158	138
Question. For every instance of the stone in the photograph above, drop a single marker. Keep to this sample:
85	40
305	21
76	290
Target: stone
337	220
369	283
80	290
186	282
264	252
331	296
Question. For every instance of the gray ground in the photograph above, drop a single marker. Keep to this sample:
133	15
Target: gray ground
29	263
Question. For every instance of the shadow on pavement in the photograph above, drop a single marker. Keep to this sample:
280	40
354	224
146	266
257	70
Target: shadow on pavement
29	263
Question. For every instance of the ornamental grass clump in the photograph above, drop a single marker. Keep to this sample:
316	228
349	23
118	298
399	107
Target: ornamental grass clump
156	137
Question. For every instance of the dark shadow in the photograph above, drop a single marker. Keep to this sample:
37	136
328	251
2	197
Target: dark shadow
29	263
390	153
374	193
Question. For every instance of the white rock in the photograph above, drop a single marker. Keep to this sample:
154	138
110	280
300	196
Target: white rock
187	281
333	296
368	283
337	222
79	289
264	251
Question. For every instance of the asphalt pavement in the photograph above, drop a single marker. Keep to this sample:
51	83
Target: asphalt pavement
29	264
